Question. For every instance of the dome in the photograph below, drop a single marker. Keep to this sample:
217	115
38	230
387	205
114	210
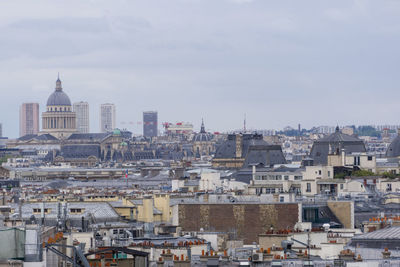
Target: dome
203	136
58	97
393	150
116	132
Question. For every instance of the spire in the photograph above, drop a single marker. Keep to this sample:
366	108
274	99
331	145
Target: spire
244	124
202	130
58	83
337	129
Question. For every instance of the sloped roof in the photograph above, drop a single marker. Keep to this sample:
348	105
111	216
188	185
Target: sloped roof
42	137
335	143
88	136
385	233
80	151
394	148
338	136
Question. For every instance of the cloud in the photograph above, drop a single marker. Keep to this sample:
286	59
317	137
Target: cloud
280	62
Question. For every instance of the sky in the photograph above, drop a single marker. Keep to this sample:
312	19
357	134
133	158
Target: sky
314	62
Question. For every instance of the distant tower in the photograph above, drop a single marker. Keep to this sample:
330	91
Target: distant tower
82	116
203	128
107	117
150	122
1	130
29	119
59	120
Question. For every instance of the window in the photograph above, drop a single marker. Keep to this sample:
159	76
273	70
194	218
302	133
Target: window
76	210
389	187
369	158
298	177
281	199
356	161
308	187
40	210
286	177
319	172
341	186
258	191
329	173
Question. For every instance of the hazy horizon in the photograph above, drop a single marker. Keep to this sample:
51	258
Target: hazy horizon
280	63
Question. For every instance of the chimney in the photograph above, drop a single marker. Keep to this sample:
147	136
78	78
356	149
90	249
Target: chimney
239	142
343	157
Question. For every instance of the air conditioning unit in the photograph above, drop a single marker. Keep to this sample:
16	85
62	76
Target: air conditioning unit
257	257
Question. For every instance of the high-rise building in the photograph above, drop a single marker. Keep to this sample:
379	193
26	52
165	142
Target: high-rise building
59	120
107	117
29	119
150	123
82	116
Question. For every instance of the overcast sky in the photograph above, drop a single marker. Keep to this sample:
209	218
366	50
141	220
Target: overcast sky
280	62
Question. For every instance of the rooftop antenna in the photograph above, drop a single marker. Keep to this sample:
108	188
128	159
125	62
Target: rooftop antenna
244	123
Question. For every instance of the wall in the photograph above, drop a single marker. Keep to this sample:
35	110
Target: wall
344	211
267	241
248	220
161	202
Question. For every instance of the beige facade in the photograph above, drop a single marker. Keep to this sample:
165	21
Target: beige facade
362	160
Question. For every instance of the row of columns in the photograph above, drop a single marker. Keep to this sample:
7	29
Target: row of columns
59	123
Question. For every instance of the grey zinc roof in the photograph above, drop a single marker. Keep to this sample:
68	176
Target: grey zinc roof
228	148
386	233
101	211
394	148
334	143
42	137
58	98
46	137
268	155
27	137
80	151
338	136
89	136
202	137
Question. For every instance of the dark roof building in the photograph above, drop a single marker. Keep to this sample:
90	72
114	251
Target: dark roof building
245	150
393	150
335	144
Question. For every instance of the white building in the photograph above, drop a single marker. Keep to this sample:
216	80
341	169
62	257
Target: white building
107	117
82	116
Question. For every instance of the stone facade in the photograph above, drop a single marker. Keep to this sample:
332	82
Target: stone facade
243	221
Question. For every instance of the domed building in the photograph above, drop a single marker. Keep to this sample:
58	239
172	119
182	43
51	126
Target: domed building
59	120
334	144
393	150
202	143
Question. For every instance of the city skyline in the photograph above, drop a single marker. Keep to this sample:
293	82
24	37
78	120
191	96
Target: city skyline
280	63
